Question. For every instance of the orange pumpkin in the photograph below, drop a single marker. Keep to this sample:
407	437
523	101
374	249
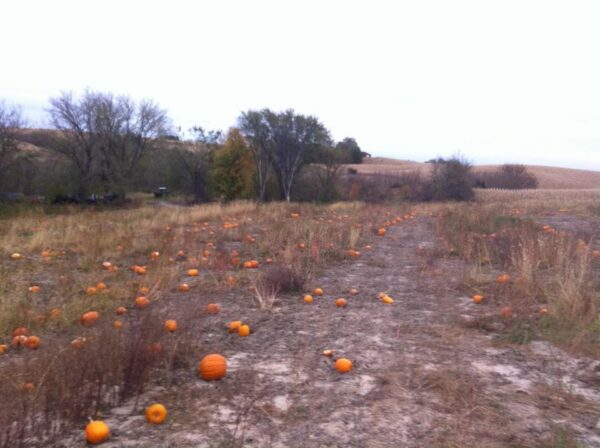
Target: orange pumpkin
19	331
308	298
32	342
477	298
156	414
171	325
244	331
3	348
154	255
118	324
503	278
381	231
212	367
55	312
141	302
16	256
121	310
96	432
184	287
353	291
269	261
192	272
19	341
144	290
101	287
543	311
343	365
90	318
234	326
213	308
34	288
341	302
317	292
91	291
387	299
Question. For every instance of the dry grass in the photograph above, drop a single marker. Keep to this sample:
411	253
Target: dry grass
549	269
69	384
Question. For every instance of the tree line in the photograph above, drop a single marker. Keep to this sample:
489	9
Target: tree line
101	142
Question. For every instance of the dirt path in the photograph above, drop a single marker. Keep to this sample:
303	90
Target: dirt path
421	377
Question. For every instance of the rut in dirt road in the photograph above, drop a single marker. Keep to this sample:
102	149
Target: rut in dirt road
421	378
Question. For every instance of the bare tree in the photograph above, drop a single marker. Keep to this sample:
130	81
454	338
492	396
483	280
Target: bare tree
106	136
10	123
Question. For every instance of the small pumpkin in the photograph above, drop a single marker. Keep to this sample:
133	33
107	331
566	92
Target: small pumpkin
32	342
90	318
477	298
341	302
144	290
96	432
244	331
387	299
503	278
213	308
184	287
156	414
353	291
121	310
192	272
34	289
118	324
91	291
141	302
212	367
234	326
20	331
16	256
308	298
317	292
343	365
543	311
100	287
506	312
381	231
171	325
3	348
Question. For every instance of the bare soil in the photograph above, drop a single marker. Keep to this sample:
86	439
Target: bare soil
421	377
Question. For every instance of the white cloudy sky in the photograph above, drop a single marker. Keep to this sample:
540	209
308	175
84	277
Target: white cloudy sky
497	81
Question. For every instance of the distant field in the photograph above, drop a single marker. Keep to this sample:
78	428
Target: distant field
548	177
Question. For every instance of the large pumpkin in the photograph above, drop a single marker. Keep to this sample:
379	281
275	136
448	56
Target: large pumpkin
212	367
343	365
156	413
96	432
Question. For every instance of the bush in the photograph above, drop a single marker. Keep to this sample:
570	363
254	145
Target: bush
508	176
450	180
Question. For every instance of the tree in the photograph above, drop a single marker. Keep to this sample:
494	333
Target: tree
350	146
285	141
450	179
195	161
233	169
106	136
331	161
255	129
10	155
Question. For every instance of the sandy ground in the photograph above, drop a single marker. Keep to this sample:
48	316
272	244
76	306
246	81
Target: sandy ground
421	377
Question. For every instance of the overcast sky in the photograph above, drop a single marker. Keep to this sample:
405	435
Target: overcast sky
501	81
